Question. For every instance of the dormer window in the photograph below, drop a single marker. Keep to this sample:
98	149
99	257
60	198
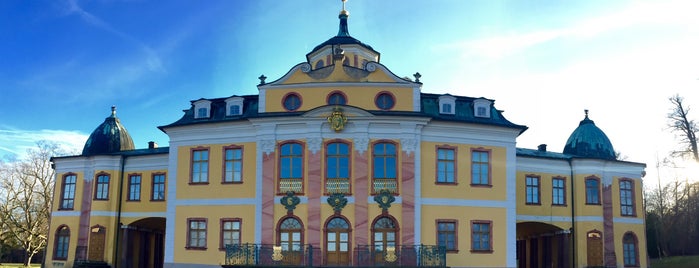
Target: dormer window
234	106
481	107
320	64
447	104
202	109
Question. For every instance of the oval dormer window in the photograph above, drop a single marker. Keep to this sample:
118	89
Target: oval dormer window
292	102
337	98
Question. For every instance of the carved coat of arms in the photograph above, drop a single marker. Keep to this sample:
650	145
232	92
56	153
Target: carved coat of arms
337	120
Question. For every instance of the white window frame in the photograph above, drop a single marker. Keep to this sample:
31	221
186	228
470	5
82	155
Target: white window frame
482	103
448	100
202	104
232	101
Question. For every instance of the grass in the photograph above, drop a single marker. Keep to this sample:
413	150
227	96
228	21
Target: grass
676	262
12	265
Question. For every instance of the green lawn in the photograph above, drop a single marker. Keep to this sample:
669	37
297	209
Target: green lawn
12	265
676	262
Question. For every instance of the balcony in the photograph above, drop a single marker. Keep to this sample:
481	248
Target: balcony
337	186
290	185
385	184
308	256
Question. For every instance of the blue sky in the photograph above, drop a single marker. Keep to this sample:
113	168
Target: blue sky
64	63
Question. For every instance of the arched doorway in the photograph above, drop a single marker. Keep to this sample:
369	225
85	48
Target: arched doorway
290	239
384	233
337	244
141	243
543	245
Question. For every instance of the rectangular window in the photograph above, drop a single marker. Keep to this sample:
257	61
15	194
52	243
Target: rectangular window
446	108
532	190
384	167
592	191
446	165
233	165
201	113
480	167
481	238
68	195
337	168
196	233
291	168
158	193
235	110
626	195
200	166
134	190
102	187
447	235
230	232
558	192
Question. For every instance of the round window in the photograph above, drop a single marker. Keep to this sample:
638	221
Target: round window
385	101
336	98
292	102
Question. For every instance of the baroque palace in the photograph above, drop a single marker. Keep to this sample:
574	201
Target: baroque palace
342	163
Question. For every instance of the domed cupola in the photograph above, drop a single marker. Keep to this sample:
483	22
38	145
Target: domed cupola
342	43
589	141
108	137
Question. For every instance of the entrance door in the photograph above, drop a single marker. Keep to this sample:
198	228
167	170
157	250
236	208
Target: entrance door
97	239
337	242
384	231
290	233
594	249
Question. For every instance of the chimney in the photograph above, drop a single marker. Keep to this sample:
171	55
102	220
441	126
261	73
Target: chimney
542	148
152	145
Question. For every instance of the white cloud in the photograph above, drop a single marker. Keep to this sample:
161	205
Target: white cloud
16	142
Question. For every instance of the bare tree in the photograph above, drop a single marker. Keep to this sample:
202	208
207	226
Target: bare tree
25	202
687	128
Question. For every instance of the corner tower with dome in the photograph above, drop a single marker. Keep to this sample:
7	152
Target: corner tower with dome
341	162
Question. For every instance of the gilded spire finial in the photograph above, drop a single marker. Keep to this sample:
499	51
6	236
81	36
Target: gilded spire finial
344	11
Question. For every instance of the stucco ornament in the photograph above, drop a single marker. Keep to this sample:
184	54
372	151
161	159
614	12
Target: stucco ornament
337	120
338	201
290	201
384	199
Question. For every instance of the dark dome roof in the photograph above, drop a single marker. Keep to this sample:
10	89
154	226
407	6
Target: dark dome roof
108	137
589	141
343	37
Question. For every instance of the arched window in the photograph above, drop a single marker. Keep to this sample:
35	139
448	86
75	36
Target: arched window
384	233
290	234
630	250
320	64
62	238
592	196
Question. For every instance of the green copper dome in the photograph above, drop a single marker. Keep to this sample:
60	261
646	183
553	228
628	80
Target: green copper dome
589	141
108	137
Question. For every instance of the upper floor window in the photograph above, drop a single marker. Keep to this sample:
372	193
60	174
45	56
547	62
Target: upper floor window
320	64
235	106
230	232
630	246
384	167
291	167
102	187
447	235
196	233
592	191
446	165
337	160
480	167
292	102
68	192
200	166
481	107
158	193
447	104
627	197
558	193
233	164
134	191
337	98
481	238
202	108
532	190
62	238
385	100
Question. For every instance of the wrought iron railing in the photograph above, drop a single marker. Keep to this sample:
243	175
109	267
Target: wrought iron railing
402	255
385	184
291	185
270	255
337	186
363	256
